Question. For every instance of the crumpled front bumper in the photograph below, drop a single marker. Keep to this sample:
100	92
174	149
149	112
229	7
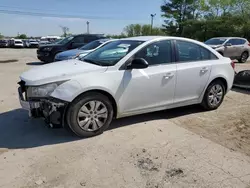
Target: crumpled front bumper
51	109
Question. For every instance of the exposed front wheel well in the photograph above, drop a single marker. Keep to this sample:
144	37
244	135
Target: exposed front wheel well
110	97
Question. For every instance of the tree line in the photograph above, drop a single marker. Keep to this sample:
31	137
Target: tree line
199	19
204	19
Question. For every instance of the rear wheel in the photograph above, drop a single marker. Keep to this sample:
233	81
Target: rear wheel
90	114
243	58
214	95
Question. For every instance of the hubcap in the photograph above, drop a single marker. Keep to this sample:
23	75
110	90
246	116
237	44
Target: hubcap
92	115
215	95
244	57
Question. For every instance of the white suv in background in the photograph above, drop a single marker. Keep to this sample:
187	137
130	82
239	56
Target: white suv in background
233	47
123	78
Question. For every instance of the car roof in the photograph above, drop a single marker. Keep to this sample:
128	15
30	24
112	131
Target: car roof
103	40
228	38
142	38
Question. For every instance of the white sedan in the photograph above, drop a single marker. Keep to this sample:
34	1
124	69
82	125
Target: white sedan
123	78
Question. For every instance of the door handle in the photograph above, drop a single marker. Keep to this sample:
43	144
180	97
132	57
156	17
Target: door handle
204	69
168	76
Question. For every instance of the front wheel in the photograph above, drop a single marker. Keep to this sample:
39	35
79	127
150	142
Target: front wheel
90	114
214	95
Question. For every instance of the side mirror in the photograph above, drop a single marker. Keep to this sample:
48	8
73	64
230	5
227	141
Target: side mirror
228	44
138	63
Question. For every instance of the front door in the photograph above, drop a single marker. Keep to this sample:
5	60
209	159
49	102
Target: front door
193	71
153	87
230	51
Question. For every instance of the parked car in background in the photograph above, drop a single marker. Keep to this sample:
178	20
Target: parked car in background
4	43
16	43
81	52
147	74
49	39
233	47
47	53
32	43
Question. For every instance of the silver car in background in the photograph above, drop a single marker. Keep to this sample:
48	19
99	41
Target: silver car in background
232	47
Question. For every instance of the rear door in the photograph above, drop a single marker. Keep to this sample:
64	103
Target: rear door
78	41
194	64
240	47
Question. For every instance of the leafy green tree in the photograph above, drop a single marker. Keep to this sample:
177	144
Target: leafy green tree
21	36
1	36
176	12
141	30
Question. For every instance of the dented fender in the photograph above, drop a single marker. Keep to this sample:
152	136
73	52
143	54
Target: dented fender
67	90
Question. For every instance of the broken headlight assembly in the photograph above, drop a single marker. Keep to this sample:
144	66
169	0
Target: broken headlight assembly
43	90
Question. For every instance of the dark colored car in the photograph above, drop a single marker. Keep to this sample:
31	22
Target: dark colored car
242	79
4	43
46	53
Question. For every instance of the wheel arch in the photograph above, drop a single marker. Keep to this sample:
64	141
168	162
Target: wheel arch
103	92
223	80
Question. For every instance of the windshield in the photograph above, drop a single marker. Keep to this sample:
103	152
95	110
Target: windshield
91	45
217	41
65	40
111	53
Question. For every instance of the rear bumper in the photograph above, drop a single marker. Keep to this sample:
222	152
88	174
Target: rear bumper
51	109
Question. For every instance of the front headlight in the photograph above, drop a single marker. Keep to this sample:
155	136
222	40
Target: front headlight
42	91
47	49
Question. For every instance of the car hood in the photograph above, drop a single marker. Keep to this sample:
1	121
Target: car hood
59	71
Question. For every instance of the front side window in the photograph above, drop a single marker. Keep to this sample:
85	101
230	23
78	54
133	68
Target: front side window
156	53
111	53
233	42
216	41
65	40
188	51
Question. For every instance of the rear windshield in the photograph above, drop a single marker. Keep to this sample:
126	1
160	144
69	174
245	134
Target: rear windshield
18	42
215	41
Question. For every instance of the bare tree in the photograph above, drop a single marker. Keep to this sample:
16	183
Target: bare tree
65	30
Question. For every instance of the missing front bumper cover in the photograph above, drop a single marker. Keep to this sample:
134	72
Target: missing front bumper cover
52	110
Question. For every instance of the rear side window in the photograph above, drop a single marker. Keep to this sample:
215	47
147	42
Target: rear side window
188	51
90	38
241	41
79	39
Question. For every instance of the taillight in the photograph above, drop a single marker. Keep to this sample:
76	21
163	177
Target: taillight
248	44
233	64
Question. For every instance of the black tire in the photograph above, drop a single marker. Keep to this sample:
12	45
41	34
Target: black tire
76	105
205	103
243	58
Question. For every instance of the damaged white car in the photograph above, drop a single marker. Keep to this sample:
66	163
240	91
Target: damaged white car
123	78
